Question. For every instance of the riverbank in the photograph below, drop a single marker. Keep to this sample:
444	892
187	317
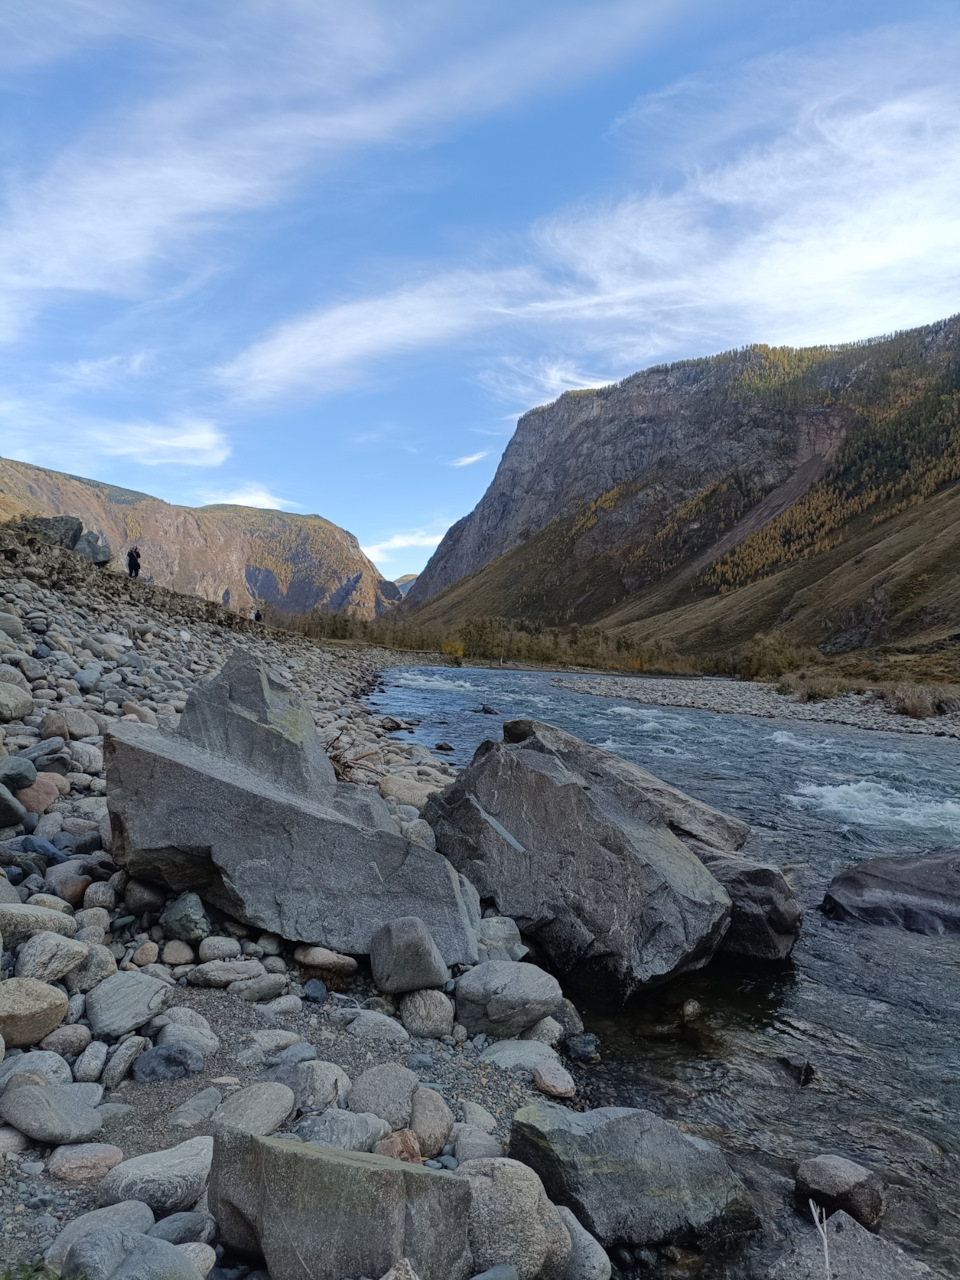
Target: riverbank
743	698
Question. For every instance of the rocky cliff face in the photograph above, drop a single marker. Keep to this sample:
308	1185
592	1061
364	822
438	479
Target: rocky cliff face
638	449
236	556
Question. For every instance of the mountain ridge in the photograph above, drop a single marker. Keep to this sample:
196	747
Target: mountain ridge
237	556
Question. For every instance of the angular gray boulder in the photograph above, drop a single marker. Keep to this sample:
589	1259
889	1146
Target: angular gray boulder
919	894
240	806
310	1210
766	918
632	1178
404	957
855	1254
582	849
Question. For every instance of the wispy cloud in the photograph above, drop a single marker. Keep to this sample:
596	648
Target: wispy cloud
249	495
469	459
189	442
834	218
381	551
106	371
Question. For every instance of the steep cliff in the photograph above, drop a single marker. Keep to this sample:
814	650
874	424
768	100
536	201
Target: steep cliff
693	481
234	555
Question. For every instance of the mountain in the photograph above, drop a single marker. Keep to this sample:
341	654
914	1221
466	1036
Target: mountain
806	489
405	583
238	556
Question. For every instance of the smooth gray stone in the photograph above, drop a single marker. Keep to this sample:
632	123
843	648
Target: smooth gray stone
91	1062
168	1181
588	1259
53	1114
16	773
837	1183
404	957
502	998
385	1091
125	1001
344	1130
214	808
50	1065
474	1144
184	1228
205	1042
378	1026
631	1177
518	1055
258	1109
427	1014
583	850
511	1219
132	1215
196	1109
343	1213
121	1060
115	1253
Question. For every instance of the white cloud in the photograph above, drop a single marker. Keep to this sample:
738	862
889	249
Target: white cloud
822	207
105	372
333	346
190	442
380	551
272	92
470	458
250	495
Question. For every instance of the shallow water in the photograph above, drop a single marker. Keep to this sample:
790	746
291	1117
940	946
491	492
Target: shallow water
875	1011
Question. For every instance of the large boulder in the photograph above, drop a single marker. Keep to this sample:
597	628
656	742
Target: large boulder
512	1222
630	1177
581	848
766	917
65	531
239	806
504	998
855	1254
168	1181
921	894
310	1210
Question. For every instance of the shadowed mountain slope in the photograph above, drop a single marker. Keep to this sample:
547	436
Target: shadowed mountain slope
234	555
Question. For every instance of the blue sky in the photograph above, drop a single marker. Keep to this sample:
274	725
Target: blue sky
321	255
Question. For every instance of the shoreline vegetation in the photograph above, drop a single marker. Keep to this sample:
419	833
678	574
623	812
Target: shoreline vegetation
918	687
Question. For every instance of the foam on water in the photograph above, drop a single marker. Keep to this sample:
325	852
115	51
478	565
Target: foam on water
876	804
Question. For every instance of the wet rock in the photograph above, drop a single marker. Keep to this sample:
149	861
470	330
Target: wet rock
168	1181
344	1213
512	1222
855	1254
584	856
766	918
836	1183
920	894
631	1177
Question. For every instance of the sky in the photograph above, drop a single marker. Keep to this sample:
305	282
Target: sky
319	255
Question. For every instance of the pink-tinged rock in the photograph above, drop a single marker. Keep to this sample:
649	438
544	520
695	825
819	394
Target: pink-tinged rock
553	1080
84	1162
40	796
326	961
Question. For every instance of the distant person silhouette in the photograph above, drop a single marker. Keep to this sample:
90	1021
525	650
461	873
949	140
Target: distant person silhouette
133	562
258	616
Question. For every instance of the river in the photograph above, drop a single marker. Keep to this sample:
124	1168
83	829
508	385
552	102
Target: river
873	1010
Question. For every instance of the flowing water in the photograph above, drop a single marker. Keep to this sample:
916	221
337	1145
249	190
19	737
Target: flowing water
873	1010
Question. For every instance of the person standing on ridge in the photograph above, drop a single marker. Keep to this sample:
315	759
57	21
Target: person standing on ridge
133	562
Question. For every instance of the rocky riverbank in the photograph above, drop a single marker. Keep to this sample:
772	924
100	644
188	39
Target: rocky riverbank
743	698
273	993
